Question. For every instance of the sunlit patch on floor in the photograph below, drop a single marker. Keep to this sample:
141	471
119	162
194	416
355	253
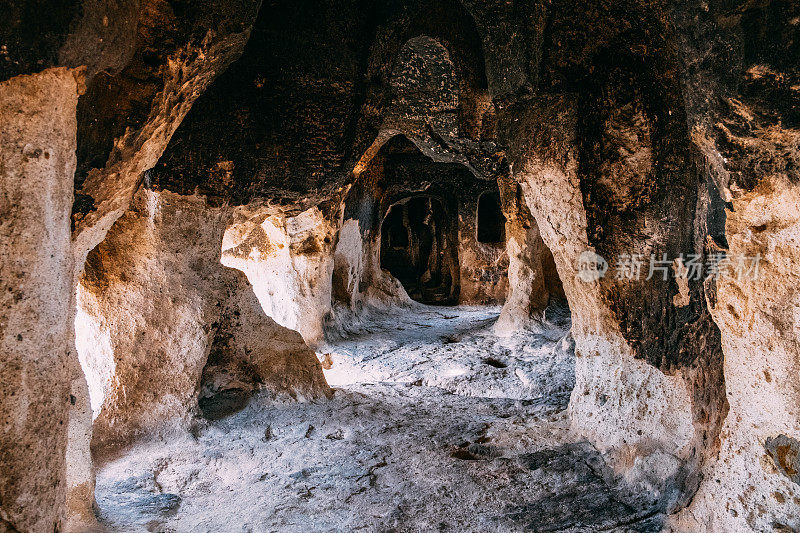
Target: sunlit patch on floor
411	446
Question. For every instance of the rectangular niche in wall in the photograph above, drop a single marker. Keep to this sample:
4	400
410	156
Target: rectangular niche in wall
491	221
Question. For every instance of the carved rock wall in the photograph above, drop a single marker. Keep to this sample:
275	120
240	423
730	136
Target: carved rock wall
754	484
151	302
37	161
636	414
289	261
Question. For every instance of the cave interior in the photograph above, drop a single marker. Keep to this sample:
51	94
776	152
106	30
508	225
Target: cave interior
338	265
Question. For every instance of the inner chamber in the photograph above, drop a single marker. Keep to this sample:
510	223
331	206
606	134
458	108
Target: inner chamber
419	248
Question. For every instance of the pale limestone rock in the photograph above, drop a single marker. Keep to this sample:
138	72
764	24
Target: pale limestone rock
527	295
364	281
747	489
80	470
359	285
37	162
276	357
150	304
149	292
288	261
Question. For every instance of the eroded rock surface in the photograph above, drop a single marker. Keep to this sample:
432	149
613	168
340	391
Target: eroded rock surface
155	301
287	258
37	160
754	483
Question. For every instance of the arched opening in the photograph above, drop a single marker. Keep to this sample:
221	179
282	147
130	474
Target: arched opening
424	85
418	249
491	222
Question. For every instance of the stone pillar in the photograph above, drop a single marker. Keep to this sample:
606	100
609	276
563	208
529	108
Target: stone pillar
637	415
152	303
80	470
755	483
37	163
146	302
527	295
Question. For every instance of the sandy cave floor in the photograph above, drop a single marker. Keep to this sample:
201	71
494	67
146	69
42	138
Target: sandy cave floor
436	425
